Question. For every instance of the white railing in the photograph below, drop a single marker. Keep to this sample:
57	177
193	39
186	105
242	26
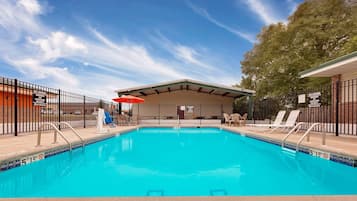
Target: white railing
54	136
73	130
307	133
55	126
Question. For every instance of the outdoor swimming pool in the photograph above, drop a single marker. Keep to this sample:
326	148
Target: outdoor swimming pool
178	162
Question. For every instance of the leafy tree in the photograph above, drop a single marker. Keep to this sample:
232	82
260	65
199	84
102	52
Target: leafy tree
318	31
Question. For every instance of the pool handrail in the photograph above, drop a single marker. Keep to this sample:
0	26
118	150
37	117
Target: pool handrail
52	125
296	128
307	133
73	130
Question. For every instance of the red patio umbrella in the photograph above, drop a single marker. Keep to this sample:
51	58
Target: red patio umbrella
128	99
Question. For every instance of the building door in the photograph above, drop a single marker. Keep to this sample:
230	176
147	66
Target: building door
181	112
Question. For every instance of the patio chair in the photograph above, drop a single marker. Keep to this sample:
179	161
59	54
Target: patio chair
278	120
235	118
123	120
227	119
290	122
108	120
243	119
134	120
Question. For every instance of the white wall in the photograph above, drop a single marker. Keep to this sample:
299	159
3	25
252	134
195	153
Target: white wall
205	104
348	87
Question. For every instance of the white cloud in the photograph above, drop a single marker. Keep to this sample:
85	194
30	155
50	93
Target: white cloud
57	45
19	18
36	51
186	53
31	6
197	61
189	55
36	70
130	57
104	85
203	12
183	53
263	11
266	13
33	49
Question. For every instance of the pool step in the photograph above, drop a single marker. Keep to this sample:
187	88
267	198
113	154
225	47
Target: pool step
155	193
218	192
288	152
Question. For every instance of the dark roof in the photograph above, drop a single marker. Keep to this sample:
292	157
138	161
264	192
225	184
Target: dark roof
186	84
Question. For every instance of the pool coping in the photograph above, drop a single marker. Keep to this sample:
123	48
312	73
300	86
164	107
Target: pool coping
327	154
198	198
33	156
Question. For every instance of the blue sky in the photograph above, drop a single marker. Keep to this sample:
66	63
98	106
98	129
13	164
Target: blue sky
94	47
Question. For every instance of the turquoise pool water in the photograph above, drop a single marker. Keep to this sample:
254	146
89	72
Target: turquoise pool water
178	162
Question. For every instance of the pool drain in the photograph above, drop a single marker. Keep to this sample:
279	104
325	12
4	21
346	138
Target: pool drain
155	193
217	192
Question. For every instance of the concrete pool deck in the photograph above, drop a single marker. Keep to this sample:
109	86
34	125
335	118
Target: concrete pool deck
341	145
25	144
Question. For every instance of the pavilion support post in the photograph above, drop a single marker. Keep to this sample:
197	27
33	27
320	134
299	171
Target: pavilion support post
200	114
250	107
138	115
159	114
119	108
337	102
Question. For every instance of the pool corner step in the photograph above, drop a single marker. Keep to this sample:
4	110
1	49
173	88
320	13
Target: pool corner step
289	152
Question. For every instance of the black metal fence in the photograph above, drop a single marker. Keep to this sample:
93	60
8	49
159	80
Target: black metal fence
25	106
333	105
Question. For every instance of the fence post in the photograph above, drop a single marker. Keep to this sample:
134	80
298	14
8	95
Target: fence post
15	109
59	108
84	111
337	106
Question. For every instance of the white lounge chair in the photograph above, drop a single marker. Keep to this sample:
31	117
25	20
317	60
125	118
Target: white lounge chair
290	122
235	118
227	119
279	118
243	119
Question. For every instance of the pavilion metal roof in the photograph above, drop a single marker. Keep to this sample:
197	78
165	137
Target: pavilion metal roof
186	84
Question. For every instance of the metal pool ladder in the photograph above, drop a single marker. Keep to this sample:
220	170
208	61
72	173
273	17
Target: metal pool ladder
74	131
294	130
57	131
306	134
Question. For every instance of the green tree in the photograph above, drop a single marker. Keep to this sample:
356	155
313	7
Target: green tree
318	31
